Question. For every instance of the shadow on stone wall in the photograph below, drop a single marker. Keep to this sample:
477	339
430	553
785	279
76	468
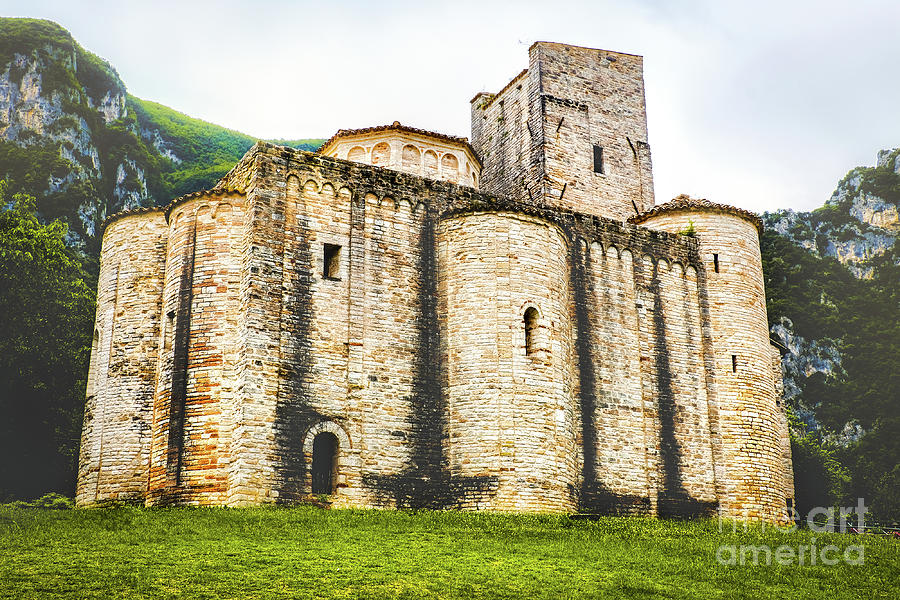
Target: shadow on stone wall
426	481
294	414
593	497
672	500
182	344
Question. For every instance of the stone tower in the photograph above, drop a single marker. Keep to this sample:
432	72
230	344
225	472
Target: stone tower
569	131
750	466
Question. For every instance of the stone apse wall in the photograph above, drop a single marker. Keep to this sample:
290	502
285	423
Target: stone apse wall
413	353
753	433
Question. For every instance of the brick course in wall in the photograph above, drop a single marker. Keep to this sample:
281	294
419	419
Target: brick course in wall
462	348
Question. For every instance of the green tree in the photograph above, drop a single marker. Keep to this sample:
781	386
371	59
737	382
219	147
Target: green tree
46	317
819	479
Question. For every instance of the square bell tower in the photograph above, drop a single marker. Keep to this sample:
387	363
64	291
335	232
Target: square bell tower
570	131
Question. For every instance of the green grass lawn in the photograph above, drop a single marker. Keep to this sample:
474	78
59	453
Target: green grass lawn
313	553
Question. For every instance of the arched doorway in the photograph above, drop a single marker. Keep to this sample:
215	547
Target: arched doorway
324	463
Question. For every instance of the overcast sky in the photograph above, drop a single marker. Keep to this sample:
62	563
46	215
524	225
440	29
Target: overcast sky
760	104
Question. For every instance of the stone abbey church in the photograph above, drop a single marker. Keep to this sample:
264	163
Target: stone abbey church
410	319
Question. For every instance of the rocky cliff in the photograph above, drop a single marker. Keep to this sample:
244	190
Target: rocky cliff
72	136
858	225
65	107
833	288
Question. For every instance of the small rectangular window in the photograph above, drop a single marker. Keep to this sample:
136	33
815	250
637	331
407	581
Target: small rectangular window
332	261
734	363
598	159
716	262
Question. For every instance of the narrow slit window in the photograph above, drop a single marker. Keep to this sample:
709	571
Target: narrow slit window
716	262
530	319
734	363
169	333
332	261
598	159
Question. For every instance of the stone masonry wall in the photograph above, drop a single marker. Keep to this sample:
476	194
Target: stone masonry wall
748	421
502	126
412	351
195	392
115	441
511	413
397	410
647	448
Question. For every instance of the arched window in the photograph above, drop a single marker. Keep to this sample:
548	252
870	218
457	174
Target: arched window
412	159
531	320
324	463
381	154
357	154
450	168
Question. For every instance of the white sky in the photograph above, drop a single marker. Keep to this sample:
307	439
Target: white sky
760	104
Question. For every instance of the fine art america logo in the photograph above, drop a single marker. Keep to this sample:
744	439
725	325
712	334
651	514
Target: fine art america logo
819	520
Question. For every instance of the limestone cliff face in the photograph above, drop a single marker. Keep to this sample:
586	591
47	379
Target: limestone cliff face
856	225
58	100
31	114
803	357
859	227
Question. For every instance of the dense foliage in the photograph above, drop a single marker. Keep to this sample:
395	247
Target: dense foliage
861	317
820	479
46	318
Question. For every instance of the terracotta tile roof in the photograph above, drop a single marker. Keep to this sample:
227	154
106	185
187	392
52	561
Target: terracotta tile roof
396	126
685	202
